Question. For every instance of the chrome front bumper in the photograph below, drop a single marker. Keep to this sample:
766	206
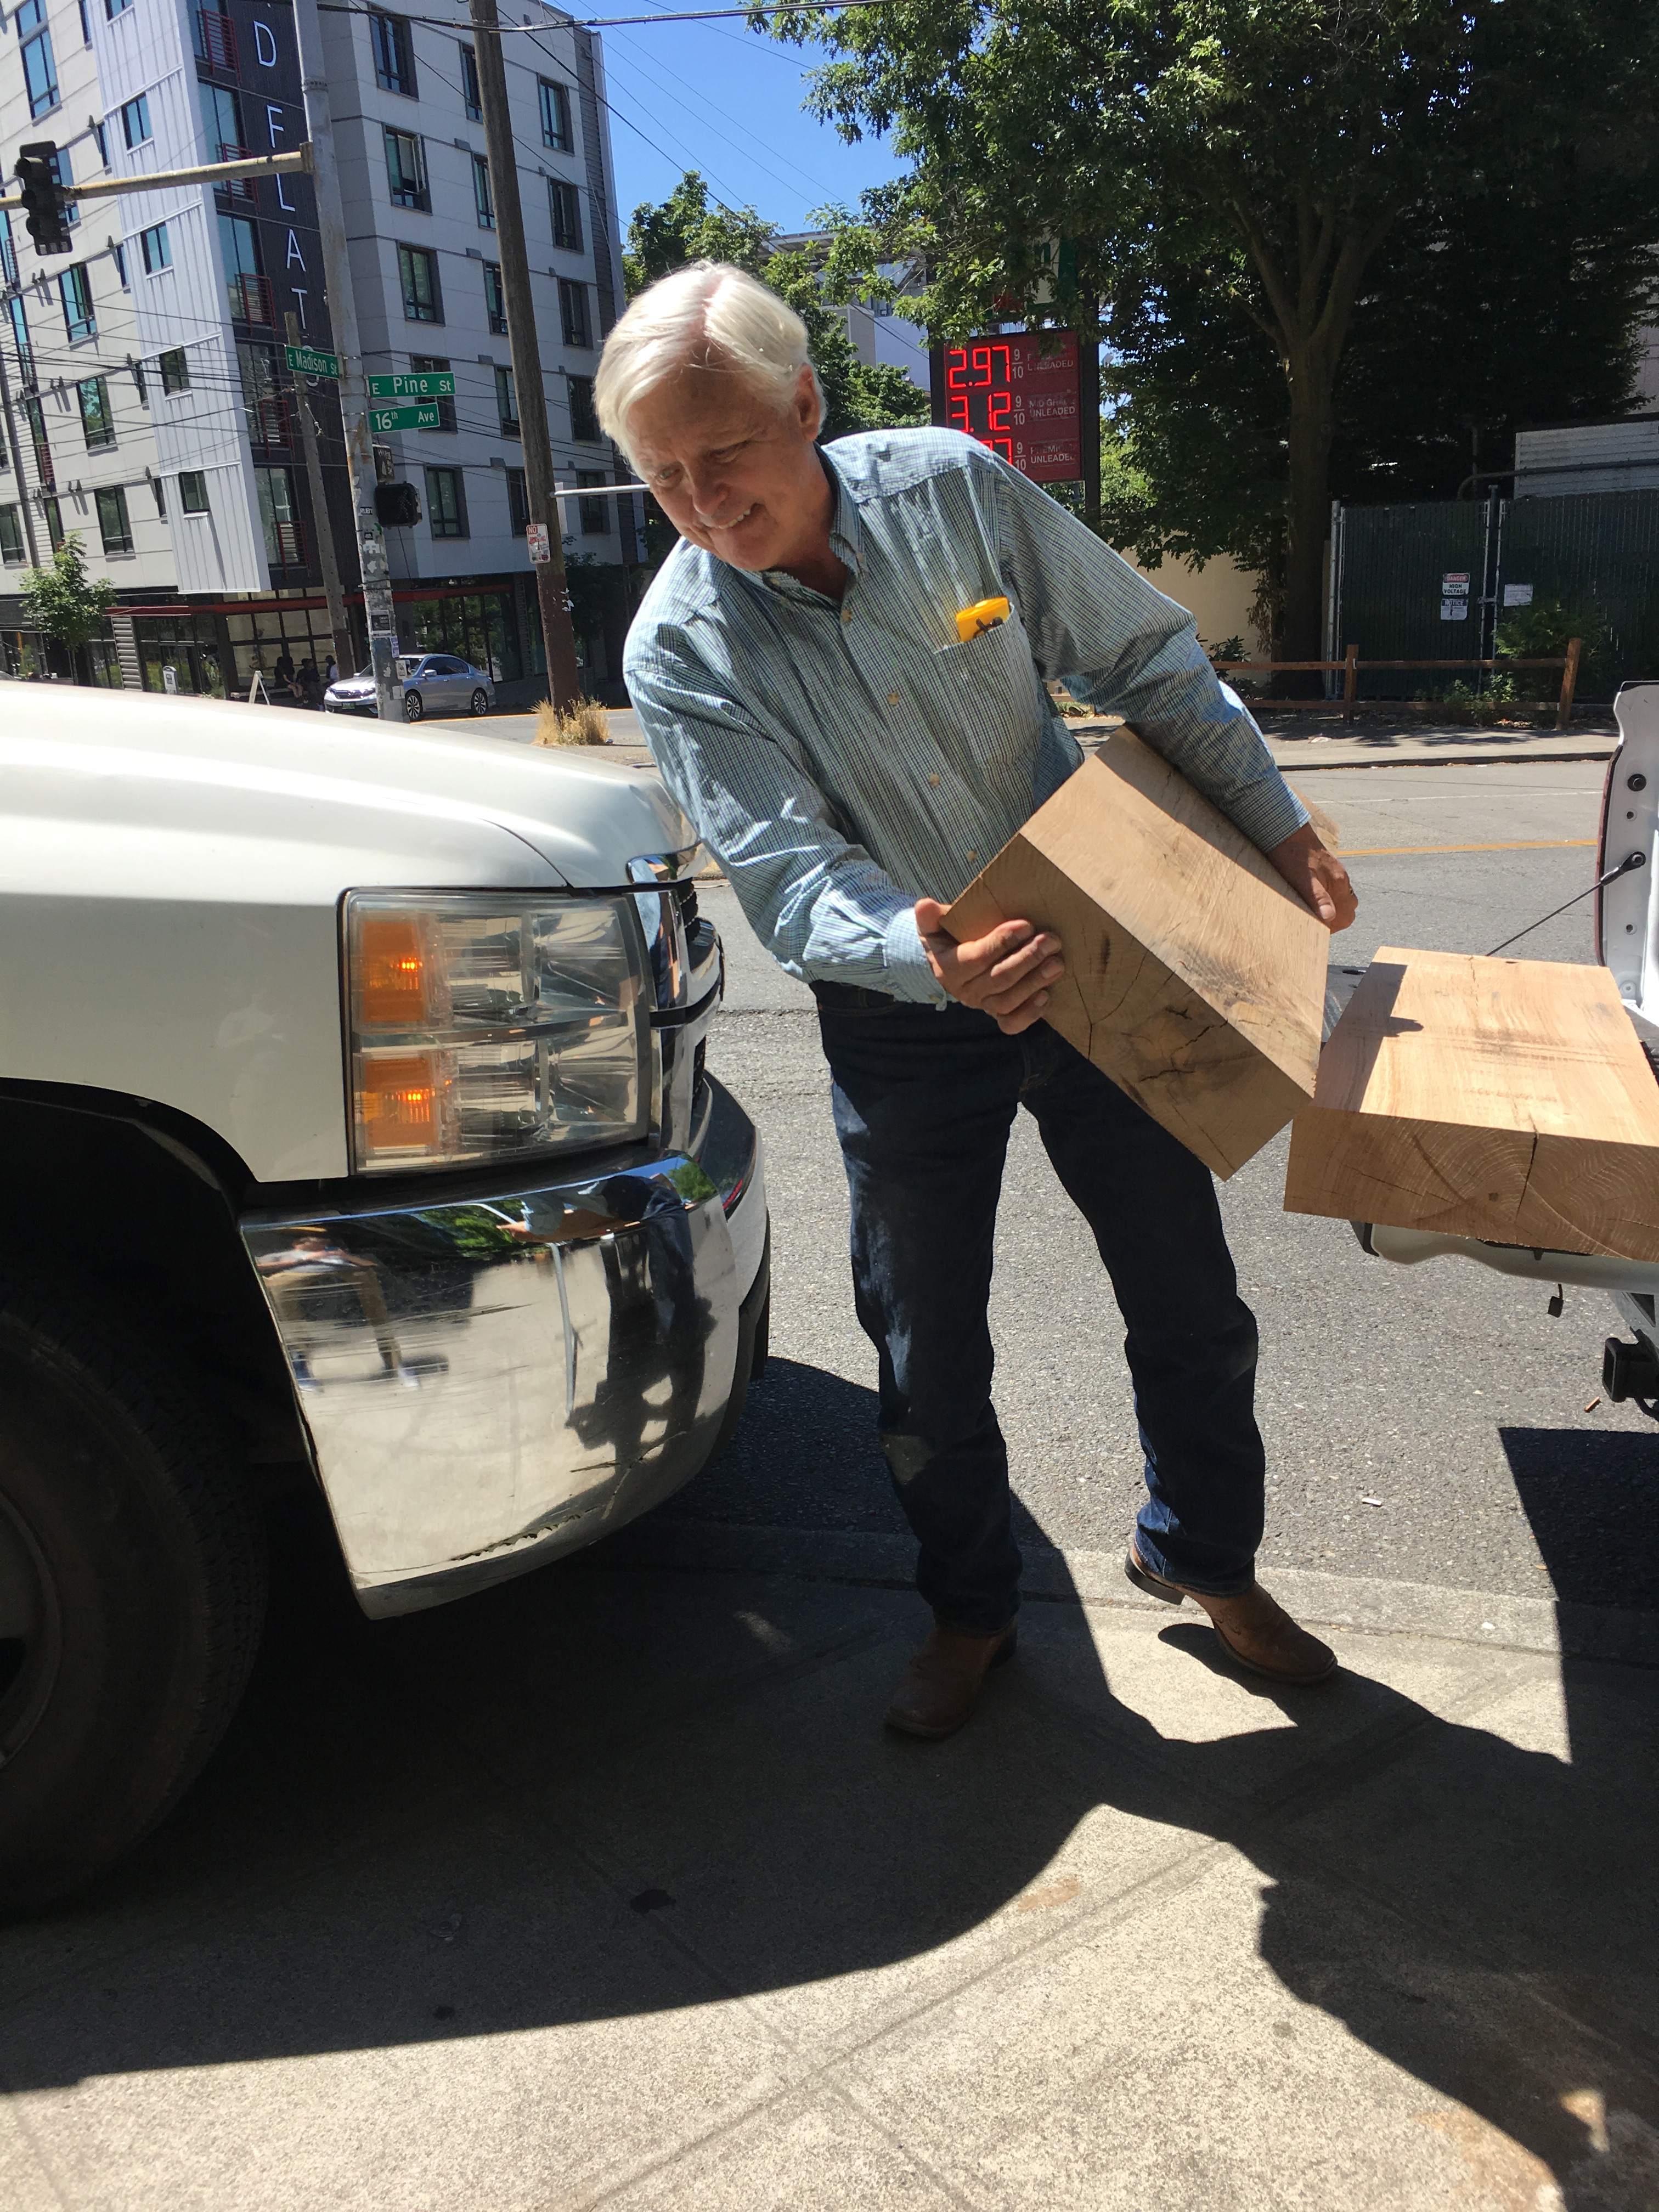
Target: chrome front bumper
488	1381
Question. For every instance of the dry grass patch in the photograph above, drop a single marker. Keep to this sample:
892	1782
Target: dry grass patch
582	724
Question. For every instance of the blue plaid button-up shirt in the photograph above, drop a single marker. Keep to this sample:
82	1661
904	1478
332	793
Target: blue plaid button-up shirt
841	762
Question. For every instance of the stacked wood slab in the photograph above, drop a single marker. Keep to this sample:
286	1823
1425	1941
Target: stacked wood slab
1194	976
1508	1100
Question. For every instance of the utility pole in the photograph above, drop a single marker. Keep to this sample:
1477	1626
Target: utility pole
558	637
354	389
326	557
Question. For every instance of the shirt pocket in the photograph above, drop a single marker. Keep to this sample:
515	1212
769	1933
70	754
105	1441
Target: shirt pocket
989	687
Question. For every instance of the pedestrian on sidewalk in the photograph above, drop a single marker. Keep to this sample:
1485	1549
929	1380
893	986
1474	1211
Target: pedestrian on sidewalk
851	763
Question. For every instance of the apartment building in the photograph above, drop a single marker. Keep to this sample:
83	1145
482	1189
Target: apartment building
146	403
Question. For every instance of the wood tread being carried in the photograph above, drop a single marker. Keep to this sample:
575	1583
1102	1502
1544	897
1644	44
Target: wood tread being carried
1194	976
1508	1100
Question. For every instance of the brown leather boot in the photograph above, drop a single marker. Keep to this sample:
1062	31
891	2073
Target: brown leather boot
941	1686
1255	1629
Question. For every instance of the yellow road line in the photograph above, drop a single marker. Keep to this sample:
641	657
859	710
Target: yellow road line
1519	845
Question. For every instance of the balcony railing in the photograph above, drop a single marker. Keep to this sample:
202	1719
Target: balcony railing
285	544
238	189
251	300
216	40
270	420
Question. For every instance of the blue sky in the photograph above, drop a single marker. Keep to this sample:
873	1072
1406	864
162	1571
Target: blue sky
716	97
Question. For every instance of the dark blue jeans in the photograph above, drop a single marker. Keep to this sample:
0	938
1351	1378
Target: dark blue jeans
924	1102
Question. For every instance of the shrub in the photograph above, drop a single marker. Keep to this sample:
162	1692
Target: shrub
581	724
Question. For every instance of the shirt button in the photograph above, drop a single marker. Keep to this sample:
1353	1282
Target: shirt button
892	698
933	782
973	856
847	614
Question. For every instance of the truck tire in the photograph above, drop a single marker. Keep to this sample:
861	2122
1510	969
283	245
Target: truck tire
132	1588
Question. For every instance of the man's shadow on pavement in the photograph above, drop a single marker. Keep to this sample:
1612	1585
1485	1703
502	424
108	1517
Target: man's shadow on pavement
599	1792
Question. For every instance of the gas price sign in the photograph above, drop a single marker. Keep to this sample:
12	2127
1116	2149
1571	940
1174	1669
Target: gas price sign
1021	401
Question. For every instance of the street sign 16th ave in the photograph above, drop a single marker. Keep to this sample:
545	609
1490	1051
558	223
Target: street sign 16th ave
438	385
424	417
310	361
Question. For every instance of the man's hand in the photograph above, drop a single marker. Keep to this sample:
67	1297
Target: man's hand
1005	973
1317	877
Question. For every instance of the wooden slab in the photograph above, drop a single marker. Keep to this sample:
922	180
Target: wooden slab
1504	1099
1194	976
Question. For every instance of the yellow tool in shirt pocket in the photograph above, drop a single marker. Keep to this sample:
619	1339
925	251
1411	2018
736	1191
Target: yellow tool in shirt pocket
983	615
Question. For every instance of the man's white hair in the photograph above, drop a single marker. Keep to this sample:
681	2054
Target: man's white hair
711	315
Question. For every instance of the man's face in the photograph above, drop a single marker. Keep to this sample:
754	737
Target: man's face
734	475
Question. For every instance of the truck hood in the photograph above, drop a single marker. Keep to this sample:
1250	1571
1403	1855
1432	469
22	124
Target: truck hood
103	788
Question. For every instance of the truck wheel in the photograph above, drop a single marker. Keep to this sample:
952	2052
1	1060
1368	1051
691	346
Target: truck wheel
132	1586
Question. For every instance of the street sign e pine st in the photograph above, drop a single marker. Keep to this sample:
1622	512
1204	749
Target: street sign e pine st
436	384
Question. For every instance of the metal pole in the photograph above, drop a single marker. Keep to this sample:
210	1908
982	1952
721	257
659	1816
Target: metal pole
354	391
558	636
327	559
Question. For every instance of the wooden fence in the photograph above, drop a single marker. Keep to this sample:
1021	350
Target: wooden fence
1351	665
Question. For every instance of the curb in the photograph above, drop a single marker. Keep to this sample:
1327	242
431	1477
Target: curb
1361	1603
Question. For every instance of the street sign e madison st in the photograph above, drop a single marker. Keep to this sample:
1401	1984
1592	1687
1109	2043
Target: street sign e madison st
311	361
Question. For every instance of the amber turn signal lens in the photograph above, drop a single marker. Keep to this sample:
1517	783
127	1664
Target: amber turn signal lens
393	966
401	1101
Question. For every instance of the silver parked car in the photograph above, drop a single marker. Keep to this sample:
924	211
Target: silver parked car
434	684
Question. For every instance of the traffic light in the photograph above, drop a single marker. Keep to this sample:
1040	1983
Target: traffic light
397	506
44	203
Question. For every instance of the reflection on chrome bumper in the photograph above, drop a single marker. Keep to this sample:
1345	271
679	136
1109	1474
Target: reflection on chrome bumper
492	1382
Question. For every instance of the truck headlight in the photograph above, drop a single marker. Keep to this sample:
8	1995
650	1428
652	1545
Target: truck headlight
490	1026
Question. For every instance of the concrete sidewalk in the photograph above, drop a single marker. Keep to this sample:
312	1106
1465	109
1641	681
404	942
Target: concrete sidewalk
607	1887
1310	740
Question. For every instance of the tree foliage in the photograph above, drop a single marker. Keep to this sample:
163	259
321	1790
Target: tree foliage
686	227
1305	231
63	604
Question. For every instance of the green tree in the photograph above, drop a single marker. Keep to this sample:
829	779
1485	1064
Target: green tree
65	605
687	227
1255	196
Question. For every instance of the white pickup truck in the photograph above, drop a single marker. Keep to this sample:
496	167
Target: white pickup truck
1628	939
355	1130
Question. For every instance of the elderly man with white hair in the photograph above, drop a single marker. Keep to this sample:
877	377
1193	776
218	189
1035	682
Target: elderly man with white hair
851	761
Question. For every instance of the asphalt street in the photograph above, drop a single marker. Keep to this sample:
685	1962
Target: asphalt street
1444	1391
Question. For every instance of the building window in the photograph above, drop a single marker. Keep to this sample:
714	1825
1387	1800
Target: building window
221	119
60	170
118	255
245	279
556	117
567	207
284	538
54	514
101	134
483	200
268	422
429	364
495	298
8	251
518	502
40	70
159	490
192	491
157	251
11	536
471	98
584	415
138	384
114	7
97	416
507	403
594	513
135	120
113	525
19	331
76	291
175	370
573	312
86	24
35	416
417	270
394	57
405	170
445	503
